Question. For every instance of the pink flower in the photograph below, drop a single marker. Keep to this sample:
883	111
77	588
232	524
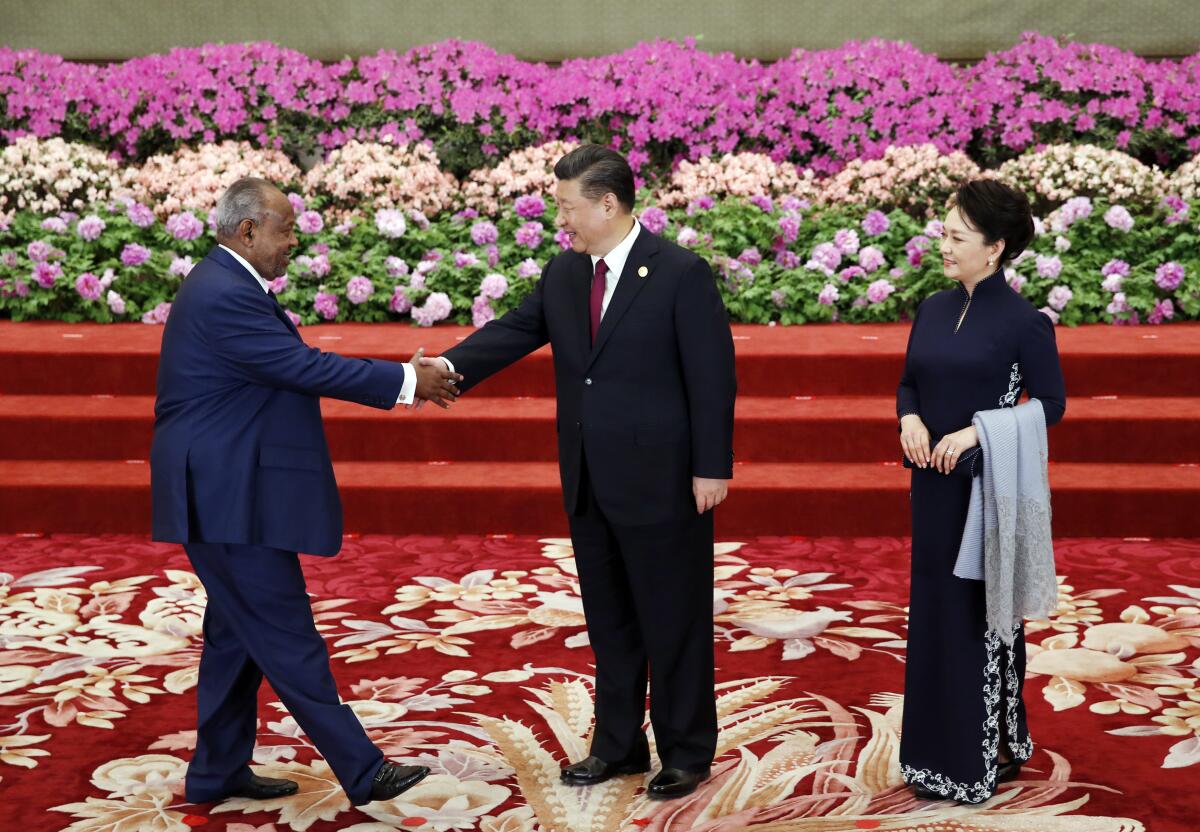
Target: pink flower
826	257
115	303
1119	218
184	226
390	223
828	295
279	285
1115	267
1059	297
528	268
935	229
45	274
484	233
850	272
297	203
88	286
157	315
90	227
1164	310
293	317
1178	208
139	215
310	222
529	206
1168	276
750	256
395	267
481	311
687	237
879	291
1061	244
399	302
529	234
563	239
39	251
762	202
1049	266
1050	313
788	259
437	307
55	225
876	223
1015	279
134	255
180	267
326	304
1118	304
846	240
464	259
789	227
1112	283
359	290
654	219
870	258
493	286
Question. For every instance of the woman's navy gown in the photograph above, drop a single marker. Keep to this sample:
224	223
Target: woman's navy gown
962	686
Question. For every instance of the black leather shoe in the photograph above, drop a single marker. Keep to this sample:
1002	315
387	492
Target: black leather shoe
592	770
393	780
1006	772
923	793
265	788
675	782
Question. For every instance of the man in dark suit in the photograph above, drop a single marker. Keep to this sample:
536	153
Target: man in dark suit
241	476
643	361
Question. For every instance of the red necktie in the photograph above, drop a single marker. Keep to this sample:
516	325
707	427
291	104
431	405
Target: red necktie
597	299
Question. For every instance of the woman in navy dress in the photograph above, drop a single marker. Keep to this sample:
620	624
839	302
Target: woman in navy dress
977	346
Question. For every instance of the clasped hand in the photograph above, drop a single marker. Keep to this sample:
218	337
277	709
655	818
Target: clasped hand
435	383
914	441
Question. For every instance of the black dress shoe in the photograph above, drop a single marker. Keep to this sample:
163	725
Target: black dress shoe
265	788
1008	771
592	770
923	793
675	782
393	780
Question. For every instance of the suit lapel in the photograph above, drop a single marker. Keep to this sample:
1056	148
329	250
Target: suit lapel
641	256
231	263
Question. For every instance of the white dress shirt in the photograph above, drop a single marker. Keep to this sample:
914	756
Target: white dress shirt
615	260
407	391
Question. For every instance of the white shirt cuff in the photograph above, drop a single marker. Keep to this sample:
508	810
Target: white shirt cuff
446	361
409	389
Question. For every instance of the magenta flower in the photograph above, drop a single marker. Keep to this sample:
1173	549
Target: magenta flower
876	223
1115	267
789	227
1050	313
528	268
850	272
45	274
1164	310
828	295
134	255
279	285
90	227
870	258
359	290
687	237
297	203
184	226
1059	297
847	241
1168	276
180	267
437	307
654	219
481	311
788	259
88	286
1049	266
707	203
326	304
115	303
826	257
750	256
879	291
39	251
934	229
1016	280
563	239
55	225
395	267
464	259
399	302
310	222
293	317
139	215
760	201
1119	218
529	234
158	315
493	286
529	206
484	233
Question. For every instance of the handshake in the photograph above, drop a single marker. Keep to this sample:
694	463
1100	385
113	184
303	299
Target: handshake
435	382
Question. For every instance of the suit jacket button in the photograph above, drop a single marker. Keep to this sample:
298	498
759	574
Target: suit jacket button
587	381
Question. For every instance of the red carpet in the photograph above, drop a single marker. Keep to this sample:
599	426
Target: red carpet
815	439
466	654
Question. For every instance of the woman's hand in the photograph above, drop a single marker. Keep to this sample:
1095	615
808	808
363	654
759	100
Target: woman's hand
951	448
914	440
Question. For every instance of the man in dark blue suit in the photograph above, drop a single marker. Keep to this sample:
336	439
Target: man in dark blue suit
241	476
643	361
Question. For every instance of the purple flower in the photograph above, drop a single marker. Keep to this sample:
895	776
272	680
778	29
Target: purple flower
437	307
778	298
1049	266
180	267
419	219
88	286
139	215
794	204
158	315
915	248
310	222
493	286
529	235
39	251
879	291
706	203
279	285
1059	297
45	274
1177	207
293	317
1164	310
870	258
390	223
530	206
493	255
358	290
1115	267
185	226
528	268
1015	279
1168	276
850	272
828	295
750	256
876	223
762	202
1112	283
134	255
484	233
935	229
1118	304
1062	244
1074	209
464	259
789	227
687	237
343	228
320	265
116	303
1050	313
297	203
1119	218
55	225
846	240
395	267
788	259
826	257
563	239
481	311
90	227
399	302
326	304
654	219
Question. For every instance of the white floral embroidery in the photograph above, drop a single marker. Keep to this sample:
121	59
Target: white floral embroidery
1021	750
1009	399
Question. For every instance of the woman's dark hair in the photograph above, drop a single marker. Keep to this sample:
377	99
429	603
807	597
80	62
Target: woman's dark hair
998	212
600	171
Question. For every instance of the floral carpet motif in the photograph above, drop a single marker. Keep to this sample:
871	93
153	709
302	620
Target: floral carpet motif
469	655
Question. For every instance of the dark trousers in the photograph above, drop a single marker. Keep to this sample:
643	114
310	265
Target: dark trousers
647	594
258	622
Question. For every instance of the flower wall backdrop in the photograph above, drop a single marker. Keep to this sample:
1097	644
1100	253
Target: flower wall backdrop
422	182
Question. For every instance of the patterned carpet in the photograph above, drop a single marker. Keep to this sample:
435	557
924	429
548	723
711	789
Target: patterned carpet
468	654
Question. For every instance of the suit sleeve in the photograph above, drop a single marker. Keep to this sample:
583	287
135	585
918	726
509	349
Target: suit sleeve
706	353
503	341
1040	366
907	400
245	331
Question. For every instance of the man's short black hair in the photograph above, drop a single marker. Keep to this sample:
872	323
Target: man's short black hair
600	171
